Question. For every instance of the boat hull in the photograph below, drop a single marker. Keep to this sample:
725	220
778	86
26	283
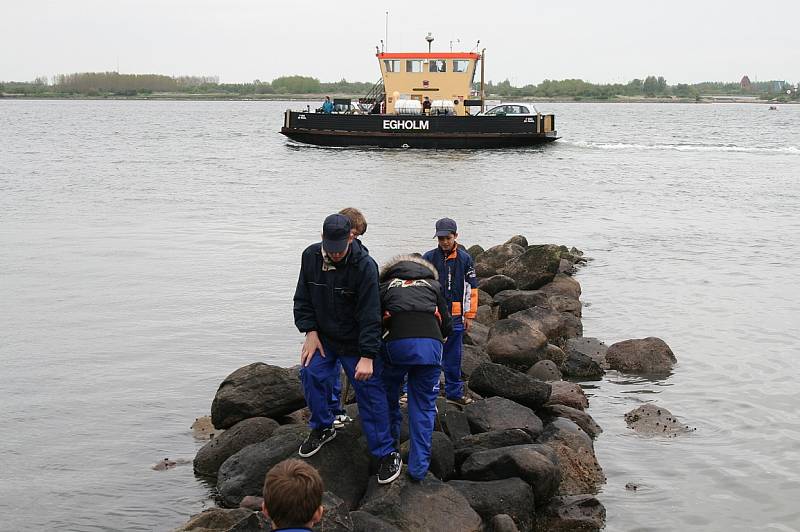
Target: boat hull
437	132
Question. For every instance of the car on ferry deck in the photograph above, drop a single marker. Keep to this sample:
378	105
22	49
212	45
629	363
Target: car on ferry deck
511	109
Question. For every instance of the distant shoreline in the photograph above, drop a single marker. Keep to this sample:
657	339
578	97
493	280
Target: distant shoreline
320	97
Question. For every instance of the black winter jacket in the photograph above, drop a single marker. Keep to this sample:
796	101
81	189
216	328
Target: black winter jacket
341	304
412	301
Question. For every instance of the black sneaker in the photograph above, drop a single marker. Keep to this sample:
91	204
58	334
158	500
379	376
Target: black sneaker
316	440
389	468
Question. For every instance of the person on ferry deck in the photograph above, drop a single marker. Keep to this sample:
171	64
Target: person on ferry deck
426	106
327	105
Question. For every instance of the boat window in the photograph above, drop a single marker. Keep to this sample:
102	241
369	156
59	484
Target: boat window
414	65
460	65
392	65
438	65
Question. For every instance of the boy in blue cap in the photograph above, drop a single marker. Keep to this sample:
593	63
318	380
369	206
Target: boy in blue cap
460	290
337	306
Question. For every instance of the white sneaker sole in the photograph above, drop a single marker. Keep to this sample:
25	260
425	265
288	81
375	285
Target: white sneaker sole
315	451
393	477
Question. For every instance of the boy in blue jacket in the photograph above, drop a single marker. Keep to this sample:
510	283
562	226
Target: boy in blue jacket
460	289
416	321
337	306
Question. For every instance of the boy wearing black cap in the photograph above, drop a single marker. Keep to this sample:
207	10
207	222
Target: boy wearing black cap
336	304
460	290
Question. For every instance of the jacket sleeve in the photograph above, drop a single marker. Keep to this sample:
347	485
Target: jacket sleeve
471	285
368	311
446	326
304	317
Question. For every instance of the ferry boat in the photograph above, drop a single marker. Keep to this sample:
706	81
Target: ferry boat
421	101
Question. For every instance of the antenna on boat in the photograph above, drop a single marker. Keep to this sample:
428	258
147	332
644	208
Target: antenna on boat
429	38
381	46
451	43
386	32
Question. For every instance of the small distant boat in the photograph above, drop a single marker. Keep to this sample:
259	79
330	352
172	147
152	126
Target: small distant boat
773	108
423	100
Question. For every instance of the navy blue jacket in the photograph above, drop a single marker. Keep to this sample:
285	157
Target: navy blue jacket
341	304
458	280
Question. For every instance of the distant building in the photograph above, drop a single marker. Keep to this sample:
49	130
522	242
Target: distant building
745	83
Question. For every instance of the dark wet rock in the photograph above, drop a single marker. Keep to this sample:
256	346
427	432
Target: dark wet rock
429	504
565	304
478	334
580	470
572	513
495	258
489	440
336	515
510	496
366	522
563	285
485	315
555	325
591	347
534	463
647	355
655	420
515	343
203	429
496	284
580	367
498	413
512	301
256	390
473	356
567	394
518	240
252	430
475	251
503	523
215	519
454	422
535	267
545	370
579	417
243	473
298	417
484	298
497	380
252	523
442	464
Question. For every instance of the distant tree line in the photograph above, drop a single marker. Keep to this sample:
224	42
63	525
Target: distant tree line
116	84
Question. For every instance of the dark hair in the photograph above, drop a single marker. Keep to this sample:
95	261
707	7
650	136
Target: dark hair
357	220
292	493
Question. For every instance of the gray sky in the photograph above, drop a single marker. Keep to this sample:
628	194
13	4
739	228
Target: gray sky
526	42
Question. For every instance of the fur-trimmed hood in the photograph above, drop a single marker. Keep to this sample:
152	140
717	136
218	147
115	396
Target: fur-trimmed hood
408	267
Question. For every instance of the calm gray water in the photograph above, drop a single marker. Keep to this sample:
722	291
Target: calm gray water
151	248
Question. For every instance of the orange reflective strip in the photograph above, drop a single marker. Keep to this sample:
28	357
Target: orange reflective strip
456	308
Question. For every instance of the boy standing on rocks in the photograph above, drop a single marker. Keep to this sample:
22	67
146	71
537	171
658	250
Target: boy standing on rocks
460	290
337	306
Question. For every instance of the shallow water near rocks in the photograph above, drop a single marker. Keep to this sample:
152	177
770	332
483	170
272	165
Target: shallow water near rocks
149	249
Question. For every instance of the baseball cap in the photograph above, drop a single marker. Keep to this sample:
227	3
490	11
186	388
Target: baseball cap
445	226
335	233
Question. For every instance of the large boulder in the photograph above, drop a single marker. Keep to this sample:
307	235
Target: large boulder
256	390
489	440
442	463
554	354
534	463
565	304
518	240
484	298
580	470
503	523
647	355
568	394
536	267
511	301
563	285
429	504
590	347
514	343
366	522
545	370
473	356
495	258
243	473
478	334
215	519
485	315
496	283
247	432
581	367
579	417
511	496
655	420
582	513
454	421
475	251
497	380
498	413
555	325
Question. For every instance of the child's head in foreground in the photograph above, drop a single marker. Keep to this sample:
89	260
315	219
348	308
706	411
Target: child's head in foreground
293	494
